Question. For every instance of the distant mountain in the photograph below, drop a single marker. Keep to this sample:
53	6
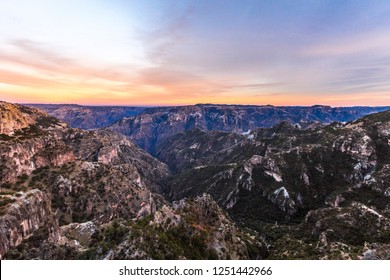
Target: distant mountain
149	128
88	117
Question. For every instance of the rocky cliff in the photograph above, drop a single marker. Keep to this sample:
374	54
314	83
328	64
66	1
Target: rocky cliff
151	127
22	215
15	117
290	167
85	175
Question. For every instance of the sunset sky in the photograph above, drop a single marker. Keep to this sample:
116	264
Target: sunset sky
150	52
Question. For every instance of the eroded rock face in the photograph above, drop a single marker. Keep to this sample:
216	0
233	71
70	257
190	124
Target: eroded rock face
85	176
374	251
189	229
340	230
22	158
44	141
150	128
15	117
24	216
351	225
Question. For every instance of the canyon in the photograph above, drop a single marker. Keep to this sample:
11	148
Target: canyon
194	182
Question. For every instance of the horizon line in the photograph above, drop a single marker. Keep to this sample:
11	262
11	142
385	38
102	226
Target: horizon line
196	104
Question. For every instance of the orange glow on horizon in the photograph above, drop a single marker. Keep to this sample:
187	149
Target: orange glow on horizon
167	54
40	76
25	80
152	96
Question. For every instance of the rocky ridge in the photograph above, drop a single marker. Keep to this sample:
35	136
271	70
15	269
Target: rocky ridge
154	125
88	117
27	212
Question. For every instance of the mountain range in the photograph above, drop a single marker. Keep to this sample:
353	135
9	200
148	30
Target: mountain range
149	128
194	182
88	117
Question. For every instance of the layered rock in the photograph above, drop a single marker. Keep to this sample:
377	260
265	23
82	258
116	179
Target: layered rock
22	158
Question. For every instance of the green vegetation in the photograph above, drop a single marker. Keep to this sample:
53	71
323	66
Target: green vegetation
29	132
376	118
197	180
157	242
7	192
176	242
114	233
5	137
5	200
110	237
47	121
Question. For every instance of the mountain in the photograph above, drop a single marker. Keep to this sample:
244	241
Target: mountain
88	117
66	193
86	175
149	128
15	117
295	190
320	183
302	166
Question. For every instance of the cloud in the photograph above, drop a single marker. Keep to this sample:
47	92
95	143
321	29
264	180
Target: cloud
55	69
39	57
349	45
253	86
193	51
19	79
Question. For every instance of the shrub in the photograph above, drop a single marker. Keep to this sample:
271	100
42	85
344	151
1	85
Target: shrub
6	200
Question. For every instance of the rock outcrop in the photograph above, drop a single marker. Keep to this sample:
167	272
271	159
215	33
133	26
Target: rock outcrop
190	229
15	117
24	214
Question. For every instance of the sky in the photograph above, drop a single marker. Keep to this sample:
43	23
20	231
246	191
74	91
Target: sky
179	52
